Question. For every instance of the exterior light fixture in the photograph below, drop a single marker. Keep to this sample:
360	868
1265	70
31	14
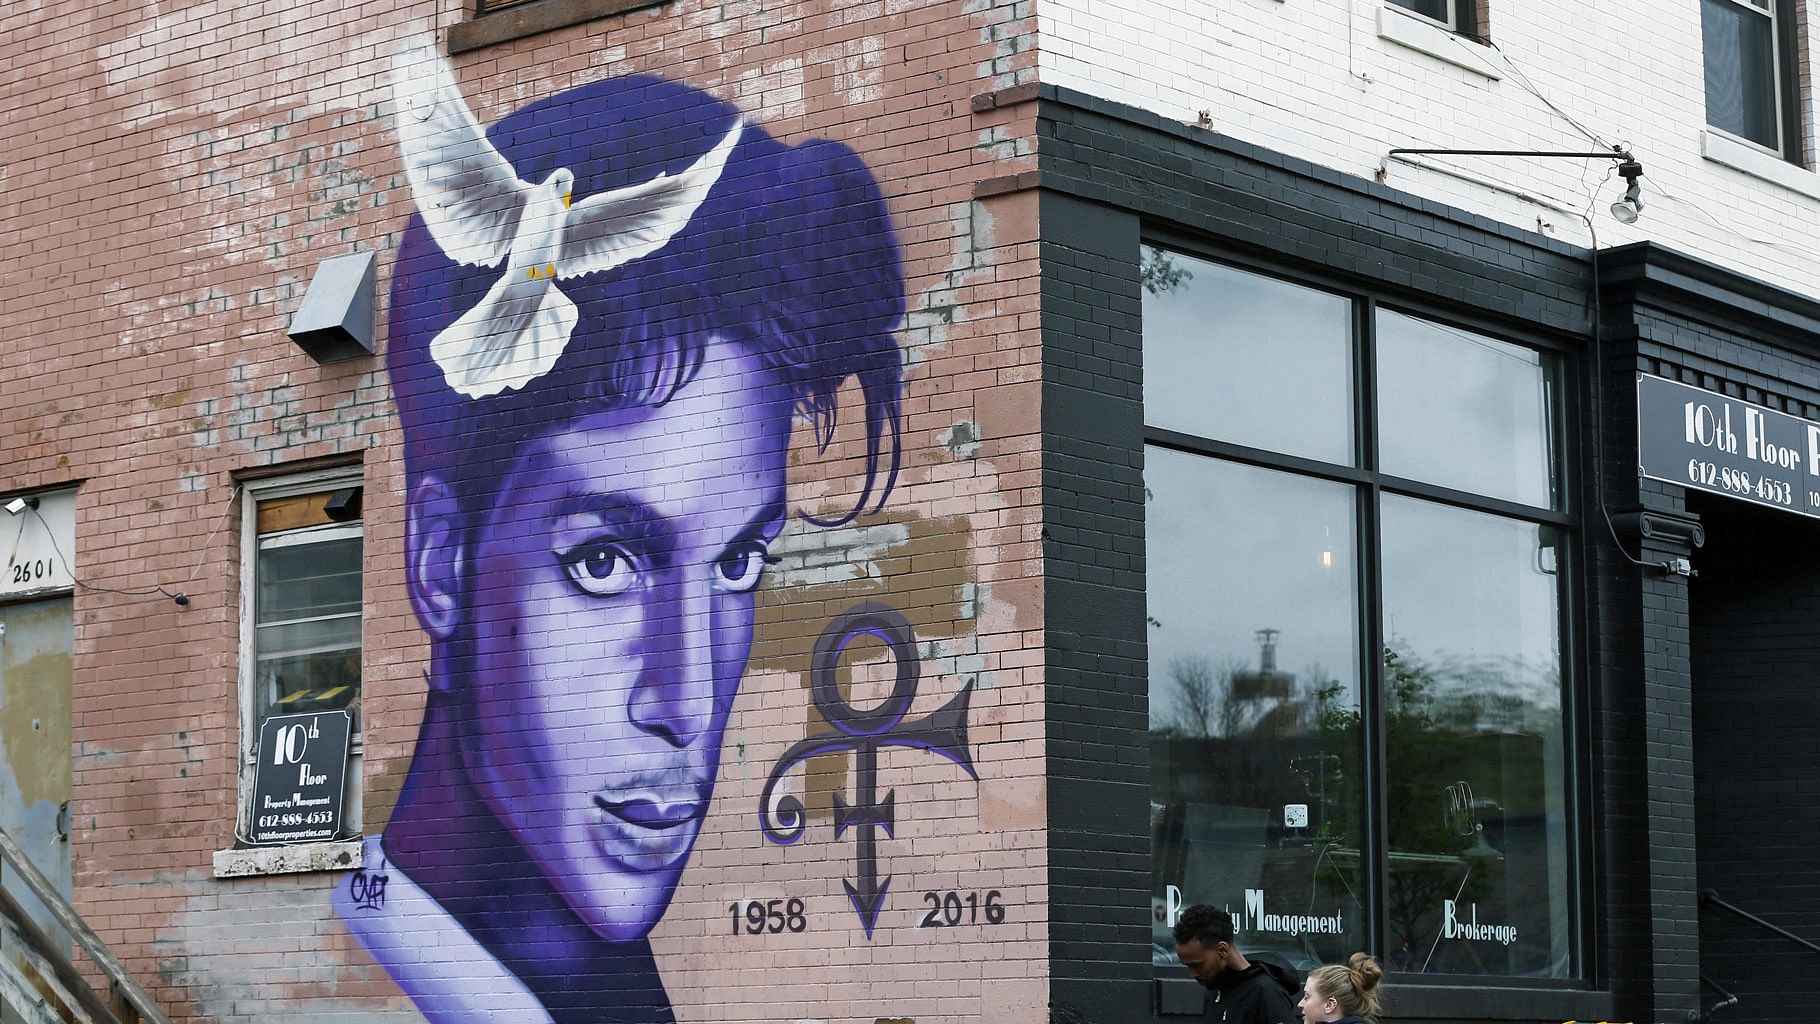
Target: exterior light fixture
1628	209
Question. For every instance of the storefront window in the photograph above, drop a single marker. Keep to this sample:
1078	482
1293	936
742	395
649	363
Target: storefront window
1255	753
1406	600
1461	410
1475	800
1246	359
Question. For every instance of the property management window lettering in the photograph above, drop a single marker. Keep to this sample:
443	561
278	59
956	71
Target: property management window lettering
1351	582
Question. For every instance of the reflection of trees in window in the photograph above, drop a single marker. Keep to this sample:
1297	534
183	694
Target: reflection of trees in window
1161	273
1203	703
1465	800
1425	864
1232	743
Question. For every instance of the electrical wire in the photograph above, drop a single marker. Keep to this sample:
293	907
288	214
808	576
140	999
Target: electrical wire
1772	243
86	585
1314	878
219	522
1598	409
1592	191
1365	81
1521	77
178	596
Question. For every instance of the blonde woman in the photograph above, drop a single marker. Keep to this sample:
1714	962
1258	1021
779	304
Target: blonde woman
1346	993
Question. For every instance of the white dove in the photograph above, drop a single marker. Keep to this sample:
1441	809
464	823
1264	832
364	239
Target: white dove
480	212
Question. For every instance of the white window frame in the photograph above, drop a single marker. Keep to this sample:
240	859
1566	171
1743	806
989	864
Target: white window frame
1784	88
337	855
1451	23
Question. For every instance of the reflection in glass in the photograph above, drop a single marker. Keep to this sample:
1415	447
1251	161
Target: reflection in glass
307	623
1476	795
1436	9
1247	359
1461	410
1254	706
1740	70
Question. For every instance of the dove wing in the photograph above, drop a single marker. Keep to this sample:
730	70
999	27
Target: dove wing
606	230
470	197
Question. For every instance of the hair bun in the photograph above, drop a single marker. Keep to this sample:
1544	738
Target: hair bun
1366	974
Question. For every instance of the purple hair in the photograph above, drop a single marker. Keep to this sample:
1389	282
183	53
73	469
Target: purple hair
791	255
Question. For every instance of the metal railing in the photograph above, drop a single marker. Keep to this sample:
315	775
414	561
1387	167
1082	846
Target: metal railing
1709	897
48	989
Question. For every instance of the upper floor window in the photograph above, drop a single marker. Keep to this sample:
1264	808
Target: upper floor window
1459	15
1751	72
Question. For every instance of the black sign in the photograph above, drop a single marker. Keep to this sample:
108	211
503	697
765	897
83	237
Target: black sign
1721	445
297	782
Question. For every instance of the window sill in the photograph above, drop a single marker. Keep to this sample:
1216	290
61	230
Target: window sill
1758	164
1424	37
534	18
288	860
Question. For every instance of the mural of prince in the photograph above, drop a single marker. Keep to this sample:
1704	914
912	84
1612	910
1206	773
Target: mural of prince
606	316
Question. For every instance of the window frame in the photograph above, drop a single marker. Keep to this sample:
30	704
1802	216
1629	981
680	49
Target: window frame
1369	485
1785	60
253	493
500	23
1462	16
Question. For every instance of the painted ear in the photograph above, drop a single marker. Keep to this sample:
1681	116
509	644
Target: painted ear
435	557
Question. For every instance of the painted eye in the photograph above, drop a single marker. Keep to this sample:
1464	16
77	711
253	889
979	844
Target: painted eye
600	568
742	566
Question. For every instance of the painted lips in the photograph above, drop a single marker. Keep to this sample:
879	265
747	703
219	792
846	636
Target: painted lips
648	813
643	834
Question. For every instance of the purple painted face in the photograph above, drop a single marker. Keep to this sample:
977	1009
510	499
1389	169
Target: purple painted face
611	611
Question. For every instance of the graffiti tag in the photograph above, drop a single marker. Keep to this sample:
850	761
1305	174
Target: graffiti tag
368	889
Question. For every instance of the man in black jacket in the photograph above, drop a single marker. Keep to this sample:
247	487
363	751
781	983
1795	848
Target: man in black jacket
1238	991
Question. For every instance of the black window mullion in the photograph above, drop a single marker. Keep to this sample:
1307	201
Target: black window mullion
1365	374
1196	445
1579	662
1475	502
1371	611
1371	672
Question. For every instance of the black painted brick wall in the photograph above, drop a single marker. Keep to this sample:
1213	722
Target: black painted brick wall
1673	317
1097	704
1756	698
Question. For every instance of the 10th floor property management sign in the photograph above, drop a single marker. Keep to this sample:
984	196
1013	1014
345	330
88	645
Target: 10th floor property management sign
1706	441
